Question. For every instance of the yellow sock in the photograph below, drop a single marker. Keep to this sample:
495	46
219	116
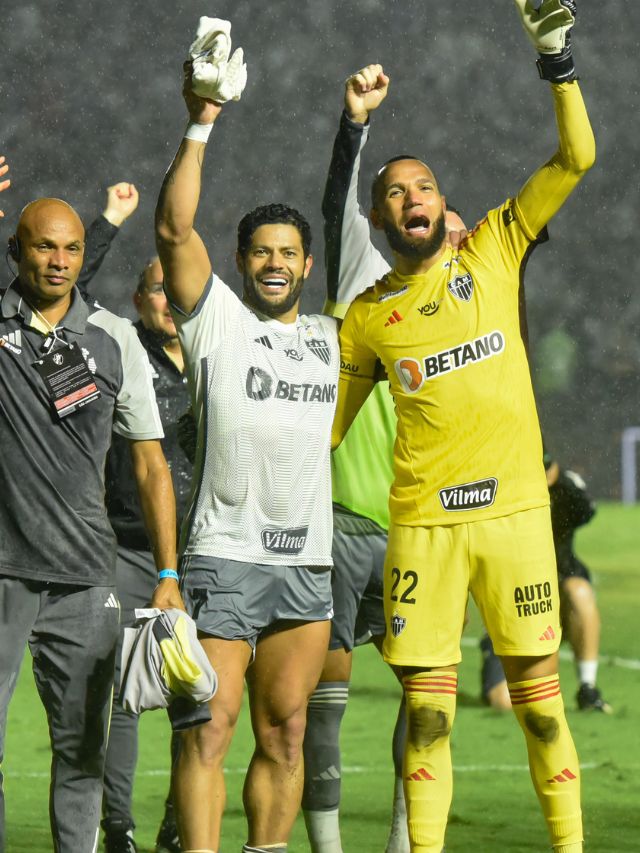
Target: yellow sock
428	778
553	760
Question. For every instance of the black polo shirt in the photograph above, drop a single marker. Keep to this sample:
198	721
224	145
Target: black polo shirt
53	520
172	394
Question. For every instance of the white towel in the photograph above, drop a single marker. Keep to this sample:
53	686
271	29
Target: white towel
215	75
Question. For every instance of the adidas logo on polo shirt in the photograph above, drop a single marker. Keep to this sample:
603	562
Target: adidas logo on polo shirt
12	341
112	601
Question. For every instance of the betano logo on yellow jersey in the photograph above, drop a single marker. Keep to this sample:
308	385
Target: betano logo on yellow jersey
413	373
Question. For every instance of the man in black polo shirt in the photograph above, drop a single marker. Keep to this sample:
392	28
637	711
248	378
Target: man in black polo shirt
70	375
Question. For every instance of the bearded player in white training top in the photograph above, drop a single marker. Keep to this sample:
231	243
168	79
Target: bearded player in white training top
257	542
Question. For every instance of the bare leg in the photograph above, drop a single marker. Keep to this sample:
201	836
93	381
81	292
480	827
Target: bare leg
285	673
494	683
581	618
337	665
198	783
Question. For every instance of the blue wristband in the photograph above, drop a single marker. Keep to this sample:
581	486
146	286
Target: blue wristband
167	573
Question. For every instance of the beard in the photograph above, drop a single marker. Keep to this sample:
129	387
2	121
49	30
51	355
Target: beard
254	297
419	248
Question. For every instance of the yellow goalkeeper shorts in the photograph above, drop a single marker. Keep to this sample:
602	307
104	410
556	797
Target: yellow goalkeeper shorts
507	563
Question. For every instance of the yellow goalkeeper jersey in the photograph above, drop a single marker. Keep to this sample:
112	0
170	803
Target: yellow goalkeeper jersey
468	444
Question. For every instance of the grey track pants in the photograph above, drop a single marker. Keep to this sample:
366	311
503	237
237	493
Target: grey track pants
72	633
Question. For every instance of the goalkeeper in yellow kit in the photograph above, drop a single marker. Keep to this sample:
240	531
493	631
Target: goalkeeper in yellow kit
469	503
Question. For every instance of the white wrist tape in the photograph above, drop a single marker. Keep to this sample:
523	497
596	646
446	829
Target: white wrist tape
199	132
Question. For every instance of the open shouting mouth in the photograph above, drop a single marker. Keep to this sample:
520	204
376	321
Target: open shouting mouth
417	226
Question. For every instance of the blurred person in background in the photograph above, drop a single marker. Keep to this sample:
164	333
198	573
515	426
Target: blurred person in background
362	473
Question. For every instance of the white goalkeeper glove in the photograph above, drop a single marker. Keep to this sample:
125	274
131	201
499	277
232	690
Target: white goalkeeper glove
215	75
549	29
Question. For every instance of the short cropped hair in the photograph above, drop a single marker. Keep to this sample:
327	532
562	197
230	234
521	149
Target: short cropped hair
272	214
376	186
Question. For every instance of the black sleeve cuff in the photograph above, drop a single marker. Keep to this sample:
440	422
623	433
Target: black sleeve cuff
557	67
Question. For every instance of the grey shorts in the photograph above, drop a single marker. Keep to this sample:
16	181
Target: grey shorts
569	566
244	601
358	561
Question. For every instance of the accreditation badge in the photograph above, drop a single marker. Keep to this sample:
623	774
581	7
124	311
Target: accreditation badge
69	383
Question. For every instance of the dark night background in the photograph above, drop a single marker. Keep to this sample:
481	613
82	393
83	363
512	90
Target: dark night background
90	95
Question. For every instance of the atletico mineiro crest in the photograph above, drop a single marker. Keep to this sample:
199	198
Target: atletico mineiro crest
320	348
398	624
461	287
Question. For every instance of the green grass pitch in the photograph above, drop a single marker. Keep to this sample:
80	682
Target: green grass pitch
494	807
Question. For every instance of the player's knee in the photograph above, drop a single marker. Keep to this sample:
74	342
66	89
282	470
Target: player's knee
426	724
280	737
209	741
294	728
578	591
542	727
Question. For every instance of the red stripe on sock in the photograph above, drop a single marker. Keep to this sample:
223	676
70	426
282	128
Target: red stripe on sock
425	678
452	692
533	689
541	684
531	699
441	681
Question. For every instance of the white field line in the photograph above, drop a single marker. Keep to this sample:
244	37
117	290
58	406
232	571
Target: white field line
566	654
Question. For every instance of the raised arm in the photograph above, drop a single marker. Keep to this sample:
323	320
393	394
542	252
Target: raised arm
183	255
122	202
4	168
549	28
353	263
